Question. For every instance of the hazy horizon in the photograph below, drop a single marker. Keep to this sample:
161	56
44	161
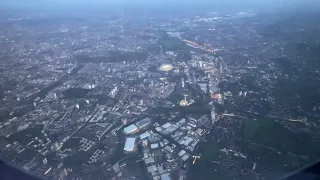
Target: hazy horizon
60	4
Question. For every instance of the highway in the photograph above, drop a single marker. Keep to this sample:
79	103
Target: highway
193	43
198	46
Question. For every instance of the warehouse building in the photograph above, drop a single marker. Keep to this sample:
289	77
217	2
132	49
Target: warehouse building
130	144
131	129
143	123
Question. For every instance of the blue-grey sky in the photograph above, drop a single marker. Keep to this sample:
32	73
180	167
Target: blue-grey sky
214	4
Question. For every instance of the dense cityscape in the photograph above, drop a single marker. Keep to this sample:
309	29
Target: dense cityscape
228	94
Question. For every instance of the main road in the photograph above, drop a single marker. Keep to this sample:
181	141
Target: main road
196	45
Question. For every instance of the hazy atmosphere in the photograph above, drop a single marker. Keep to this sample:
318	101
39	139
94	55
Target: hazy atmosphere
159	90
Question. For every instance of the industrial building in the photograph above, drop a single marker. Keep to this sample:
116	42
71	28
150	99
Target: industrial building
144	135
143	123
131	129
130	144
165	176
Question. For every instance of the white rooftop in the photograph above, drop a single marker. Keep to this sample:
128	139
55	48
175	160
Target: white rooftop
182	121
165	176
129	144
166	125
185	157
155	145
182	152
130	129
144	135
149	160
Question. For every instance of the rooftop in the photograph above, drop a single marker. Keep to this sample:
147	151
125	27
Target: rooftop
130	129
166	125
165	176
144	135
129	144
144	122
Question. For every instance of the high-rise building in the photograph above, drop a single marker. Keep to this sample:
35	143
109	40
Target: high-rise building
45	161
113	92
213	116
188	77
65	172
182	82
116	167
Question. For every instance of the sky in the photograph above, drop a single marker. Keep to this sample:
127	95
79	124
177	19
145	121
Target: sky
172	4
142	2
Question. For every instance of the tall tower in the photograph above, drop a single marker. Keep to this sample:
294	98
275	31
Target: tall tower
213	116
194	77
45	161
188	77
182	82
